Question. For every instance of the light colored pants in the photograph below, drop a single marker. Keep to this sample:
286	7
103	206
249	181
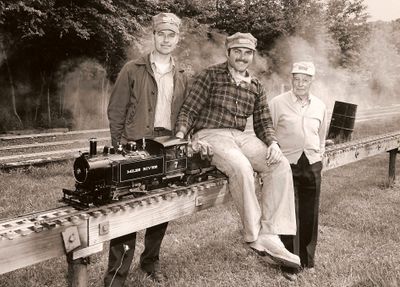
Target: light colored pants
238	154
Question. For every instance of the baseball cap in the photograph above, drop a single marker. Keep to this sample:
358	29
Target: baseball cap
166	21
241	40
306	68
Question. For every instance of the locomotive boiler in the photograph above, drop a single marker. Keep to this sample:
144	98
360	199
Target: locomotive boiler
134	169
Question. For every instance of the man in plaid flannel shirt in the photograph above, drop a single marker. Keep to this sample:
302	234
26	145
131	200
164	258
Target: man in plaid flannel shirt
216	109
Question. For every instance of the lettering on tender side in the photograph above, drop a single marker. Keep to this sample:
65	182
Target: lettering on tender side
133	170
145	168
151	167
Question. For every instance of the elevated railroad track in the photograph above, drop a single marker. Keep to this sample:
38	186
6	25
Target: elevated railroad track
39	236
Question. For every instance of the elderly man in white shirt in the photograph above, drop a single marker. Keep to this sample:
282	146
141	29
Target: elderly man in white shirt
300	122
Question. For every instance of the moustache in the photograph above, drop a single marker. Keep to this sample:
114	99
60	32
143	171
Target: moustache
243	61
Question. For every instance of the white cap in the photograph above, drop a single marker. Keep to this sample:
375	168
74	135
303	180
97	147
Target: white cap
306	68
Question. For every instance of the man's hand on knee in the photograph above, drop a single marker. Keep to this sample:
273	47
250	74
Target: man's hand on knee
274	154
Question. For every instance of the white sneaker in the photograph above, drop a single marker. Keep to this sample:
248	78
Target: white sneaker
274	248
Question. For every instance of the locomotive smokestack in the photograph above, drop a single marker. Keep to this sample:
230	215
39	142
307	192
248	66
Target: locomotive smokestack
93	146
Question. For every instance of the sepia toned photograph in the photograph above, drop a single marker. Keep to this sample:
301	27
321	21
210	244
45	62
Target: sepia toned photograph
209	143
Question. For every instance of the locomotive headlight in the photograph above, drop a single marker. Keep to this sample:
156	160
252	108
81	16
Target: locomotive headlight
81	169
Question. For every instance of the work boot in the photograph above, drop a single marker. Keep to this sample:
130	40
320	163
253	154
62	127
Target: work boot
271	245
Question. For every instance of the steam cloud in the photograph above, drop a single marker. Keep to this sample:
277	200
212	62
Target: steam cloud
374	82
84	92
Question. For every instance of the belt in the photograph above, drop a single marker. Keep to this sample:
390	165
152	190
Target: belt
160	132
161	129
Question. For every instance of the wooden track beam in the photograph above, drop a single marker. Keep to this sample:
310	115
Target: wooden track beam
26	250
346	153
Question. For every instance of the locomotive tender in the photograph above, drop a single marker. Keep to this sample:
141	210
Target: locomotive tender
134	169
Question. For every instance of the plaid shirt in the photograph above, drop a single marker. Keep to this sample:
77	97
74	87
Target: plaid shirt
216	101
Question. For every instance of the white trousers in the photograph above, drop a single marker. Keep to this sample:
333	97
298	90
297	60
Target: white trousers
238	154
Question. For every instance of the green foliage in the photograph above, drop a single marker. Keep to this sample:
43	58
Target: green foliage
39	36
264	19
396	34
7	120
56	30
380	58
346	21
203	11
304	18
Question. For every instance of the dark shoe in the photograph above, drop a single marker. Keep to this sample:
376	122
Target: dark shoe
290	274
156	276
311	271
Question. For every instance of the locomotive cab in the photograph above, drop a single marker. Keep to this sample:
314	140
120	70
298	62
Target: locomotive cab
175	152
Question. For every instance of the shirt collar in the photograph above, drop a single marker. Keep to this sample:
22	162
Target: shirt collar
239	78
153	63
297	99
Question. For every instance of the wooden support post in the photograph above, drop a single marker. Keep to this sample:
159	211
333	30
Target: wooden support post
75	238
77	271
392	166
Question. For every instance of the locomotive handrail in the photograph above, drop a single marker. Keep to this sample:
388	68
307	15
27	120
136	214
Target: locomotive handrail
79	234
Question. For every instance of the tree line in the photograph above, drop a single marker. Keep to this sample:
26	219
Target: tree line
42	41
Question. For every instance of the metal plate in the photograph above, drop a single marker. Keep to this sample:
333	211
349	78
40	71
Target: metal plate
71	238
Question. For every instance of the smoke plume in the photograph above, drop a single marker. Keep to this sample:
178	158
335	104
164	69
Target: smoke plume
84	93
374	81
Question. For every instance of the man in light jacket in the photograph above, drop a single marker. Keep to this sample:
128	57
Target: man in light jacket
145	102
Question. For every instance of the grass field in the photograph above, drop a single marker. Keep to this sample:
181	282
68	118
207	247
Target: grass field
359	241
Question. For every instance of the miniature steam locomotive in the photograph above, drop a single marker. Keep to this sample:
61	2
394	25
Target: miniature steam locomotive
134	169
